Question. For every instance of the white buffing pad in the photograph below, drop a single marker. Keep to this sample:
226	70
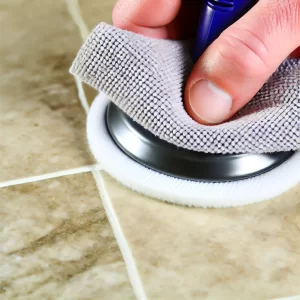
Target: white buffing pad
183	192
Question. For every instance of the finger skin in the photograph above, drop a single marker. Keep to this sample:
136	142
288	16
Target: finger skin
240	61
245	55
163	19
146	17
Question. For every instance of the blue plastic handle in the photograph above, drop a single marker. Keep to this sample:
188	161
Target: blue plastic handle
215	17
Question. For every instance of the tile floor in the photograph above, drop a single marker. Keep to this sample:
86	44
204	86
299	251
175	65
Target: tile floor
55	239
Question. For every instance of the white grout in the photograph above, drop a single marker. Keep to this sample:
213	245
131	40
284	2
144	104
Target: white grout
136	282
81	95
57	174
75	13
135	279
121	239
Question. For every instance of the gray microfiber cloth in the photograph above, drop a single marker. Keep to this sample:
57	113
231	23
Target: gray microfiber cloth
145	77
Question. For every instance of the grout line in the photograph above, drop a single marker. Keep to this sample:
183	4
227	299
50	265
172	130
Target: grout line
74	11
81	95
120	237
57	174
136	282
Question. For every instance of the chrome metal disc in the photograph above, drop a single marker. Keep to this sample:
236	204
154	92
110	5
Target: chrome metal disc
156	154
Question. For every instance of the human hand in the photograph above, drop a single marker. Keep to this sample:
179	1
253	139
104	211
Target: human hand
236	65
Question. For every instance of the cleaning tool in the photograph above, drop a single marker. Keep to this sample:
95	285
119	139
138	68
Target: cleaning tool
149	150
140	133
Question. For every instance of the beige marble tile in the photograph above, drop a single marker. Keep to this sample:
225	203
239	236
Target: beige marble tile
94	12
251	252
41	120
56	243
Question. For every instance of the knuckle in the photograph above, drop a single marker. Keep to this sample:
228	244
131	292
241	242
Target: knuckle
284	16
244	52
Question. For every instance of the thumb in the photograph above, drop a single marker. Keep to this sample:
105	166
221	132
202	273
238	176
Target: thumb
239	62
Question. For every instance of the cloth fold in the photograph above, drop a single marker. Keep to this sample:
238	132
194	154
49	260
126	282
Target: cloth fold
145	77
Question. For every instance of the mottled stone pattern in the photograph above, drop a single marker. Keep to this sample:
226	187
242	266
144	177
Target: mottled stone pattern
42	122
252	252
55	239
56	243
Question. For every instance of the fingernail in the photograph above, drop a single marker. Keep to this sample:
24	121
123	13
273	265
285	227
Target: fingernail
209	103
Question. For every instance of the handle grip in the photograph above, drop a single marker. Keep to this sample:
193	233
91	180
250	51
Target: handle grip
215	17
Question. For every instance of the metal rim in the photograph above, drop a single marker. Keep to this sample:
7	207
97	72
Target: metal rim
158	155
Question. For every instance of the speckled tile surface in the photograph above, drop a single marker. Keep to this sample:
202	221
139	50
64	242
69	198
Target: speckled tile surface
251	252
56	243
42	122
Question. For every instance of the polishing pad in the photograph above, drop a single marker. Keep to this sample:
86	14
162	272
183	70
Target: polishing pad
181	191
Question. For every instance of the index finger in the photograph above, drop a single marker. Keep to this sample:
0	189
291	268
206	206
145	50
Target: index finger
146	17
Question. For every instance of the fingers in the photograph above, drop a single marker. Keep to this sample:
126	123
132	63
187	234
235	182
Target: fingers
239	62
146	17
166	19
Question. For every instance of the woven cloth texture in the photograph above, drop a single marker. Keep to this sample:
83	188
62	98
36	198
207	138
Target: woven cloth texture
145	77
